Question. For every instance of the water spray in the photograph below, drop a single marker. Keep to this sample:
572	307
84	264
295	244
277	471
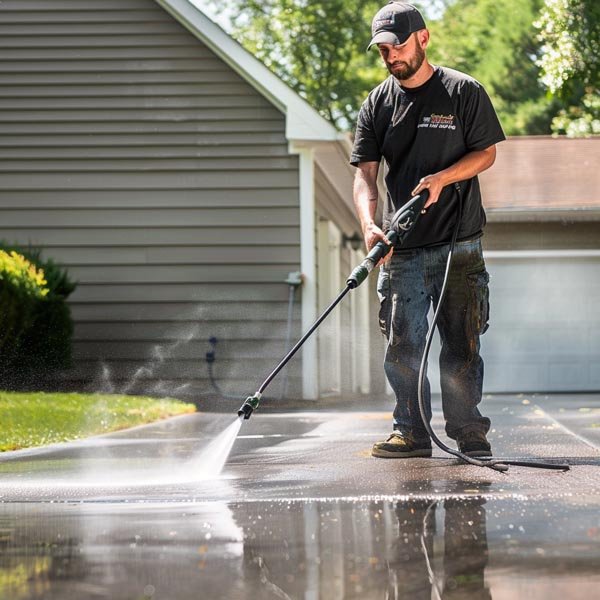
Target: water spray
401	224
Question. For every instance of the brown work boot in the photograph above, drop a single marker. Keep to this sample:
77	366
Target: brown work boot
398	445
474	443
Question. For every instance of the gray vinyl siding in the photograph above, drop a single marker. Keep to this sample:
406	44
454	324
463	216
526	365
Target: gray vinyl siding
162	180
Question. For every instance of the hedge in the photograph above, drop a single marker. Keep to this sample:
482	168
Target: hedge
35	321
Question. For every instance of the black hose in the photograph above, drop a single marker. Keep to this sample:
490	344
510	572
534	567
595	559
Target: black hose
495	464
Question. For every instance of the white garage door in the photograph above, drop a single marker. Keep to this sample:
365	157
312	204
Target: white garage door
544	333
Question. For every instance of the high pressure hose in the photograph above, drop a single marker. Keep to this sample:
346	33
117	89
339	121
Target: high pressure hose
495	464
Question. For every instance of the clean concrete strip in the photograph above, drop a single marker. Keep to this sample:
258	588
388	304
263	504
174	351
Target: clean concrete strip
565	428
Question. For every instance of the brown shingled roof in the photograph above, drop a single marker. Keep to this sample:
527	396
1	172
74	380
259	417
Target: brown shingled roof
540	173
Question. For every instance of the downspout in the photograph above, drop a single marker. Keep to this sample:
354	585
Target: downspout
308	267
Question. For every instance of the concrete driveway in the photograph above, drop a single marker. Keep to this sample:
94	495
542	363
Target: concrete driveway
301	510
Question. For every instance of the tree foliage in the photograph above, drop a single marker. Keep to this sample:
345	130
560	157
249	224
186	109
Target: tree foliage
316	46
495	42
569	31
570	34
516	49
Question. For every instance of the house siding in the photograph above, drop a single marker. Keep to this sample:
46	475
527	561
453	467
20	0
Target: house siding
329	208
162	180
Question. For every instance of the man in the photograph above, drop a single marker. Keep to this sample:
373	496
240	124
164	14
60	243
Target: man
436	129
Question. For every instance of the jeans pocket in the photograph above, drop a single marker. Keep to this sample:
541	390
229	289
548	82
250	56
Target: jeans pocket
385	301
480	305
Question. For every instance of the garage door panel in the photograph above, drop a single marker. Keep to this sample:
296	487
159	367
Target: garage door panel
568	375
595	342
545	323
505	311
503	343
524	274
523	377
569	342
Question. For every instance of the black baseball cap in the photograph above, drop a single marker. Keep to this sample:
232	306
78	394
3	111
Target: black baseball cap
394	23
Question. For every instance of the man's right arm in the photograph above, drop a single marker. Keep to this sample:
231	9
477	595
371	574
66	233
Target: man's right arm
365	194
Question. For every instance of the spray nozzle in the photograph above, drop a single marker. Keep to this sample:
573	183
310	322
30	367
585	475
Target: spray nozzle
249	406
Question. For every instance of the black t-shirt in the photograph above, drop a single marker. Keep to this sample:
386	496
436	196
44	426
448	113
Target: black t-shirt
420	131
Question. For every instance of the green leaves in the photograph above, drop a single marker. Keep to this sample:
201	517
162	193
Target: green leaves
570	34
495	42
35	324
538	59
569	31
317	47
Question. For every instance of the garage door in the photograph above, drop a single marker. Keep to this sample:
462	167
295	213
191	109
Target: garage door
544	331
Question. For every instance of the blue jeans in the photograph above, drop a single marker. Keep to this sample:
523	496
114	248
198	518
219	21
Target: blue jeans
406	287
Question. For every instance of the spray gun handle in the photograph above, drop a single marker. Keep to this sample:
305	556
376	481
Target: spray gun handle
377	252
405	219
381	248
401	224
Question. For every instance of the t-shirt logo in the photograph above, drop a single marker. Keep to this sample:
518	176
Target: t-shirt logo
437	122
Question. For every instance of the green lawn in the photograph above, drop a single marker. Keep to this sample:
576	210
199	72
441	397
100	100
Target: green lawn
35	419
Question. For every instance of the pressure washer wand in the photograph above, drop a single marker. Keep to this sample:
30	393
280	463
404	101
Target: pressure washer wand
402	222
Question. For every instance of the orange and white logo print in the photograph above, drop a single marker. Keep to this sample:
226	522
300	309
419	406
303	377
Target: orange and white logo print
435	121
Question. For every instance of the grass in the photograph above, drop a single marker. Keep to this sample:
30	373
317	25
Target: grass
36	419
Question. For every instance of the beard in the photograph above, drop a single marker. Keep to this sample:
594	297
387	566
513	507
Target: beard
405	70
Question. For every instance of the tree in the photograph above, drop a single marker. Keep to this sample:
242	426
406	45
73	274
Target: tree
318	47
569	31
495	42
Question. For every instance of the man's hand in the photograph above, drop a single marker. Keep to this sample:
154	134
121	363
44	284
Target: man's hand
435	184
372	235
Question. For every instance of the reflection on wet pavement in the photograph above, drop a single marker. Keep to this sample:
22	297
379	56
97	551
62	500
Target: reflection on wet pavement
454	548
302	511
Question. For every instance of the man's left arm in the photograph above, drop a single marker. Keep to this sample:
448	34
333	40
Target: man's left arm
468	166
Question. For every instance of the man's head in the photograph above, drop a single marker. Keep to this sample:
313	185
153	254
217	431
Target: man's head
398	30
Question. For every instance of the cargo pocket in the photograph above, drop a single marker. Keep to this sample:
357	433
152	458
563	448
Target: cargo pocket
480	305
385	301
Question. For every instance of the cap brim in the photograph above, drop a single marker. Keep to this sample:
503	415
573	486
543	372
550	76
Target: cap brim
388	37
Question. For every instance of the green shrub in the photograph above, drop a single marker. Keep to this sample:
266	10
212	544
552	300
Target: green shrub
36	328
22	287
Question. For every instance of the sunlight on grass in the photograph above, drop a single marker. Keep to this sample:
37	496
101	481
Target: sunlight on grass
35	419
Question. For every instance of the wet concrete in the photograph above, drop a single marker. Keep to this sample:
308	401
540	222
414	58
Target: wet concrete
302	511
